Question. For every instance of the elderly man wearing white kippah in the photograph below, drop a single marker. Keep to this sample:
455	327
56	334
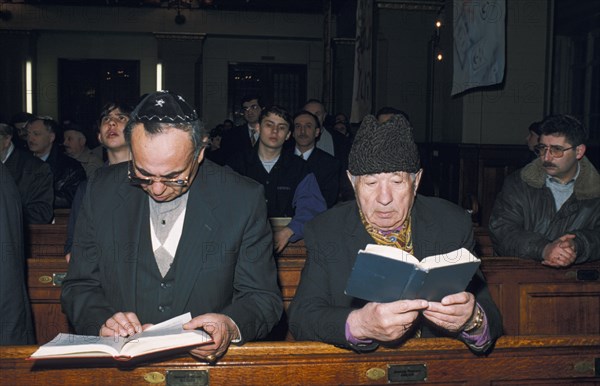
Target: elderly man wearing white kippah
385	172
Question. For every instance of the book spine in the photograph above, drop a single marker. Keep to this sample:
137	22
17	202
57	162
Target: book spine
414	284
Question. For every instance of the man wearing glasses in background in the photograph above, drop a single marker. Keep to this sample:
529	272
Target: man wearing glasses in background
242	138
169	233
549	211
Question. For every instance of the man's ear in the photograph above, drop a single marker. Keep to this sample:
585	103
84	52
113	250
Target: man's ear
352	179
317	132
418	179
580	151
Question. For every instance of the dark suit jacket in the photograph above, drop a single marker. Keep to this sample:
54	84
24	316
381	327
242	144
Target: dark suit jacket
224	262
328	171
235	141
320	308
68	173
16	326
35	183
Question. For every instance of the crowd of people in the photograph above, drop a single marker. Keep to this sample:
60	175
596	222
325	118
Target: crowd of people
174	218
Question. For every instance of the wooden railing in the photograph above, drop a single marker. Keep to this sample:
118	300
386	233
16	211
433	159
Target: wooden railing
558	360
534	299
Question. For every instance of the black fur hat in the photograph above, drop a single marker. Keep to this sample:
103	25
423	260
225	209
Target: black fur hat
384	148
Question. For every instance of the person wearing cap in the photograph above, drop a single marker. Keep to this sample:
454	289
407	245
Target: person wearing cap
549	211
75	144
385	172
168	233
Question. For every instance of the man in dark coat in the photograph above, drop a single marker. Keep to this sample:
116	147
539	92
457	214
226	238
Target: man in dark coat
169	233
67	172
33	178
385	171
16	325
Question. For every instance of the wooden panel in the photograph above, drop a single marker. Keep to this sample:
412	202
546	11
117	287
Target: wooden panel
535	299
555	360
45	240
559	309
43	281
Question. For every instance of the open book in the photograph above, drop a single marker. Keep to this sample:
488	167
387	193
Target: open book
159	337
385	274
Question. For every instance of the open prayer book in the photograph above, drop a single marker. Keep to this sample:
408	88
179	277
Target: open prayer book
159	337
385	274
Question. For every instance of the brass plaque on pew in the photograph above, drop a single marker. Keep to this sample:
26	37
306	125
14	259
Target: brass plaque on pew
407	373
187	377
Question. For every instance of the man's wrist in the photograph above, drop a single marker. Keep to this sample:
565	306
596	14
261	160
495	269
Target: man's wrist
475	322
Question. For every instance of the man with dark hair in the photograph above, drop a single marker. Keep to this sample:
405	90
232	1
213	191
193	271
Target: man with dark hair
327	169
170	232
533	135
241	138
549	210
385	172
67	172
32	176
291	189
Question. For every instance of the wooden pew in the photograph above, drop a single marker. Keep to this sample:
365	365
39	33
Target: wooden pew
534	299
556	360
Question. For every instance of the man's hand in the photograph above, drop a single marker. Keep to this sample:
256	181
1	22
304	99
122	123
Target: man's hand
385	322
220	327
122	324
561	252
452	312
281	238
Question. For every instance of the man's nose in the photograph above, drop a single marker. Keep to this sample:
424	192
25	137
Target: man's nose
384	194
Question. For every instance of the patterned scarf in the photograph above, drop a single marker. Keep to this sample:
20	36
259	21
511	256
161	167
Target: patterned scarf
399	238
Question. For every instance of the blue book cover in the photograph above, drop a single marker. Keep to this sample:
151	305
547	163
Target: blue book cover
385	274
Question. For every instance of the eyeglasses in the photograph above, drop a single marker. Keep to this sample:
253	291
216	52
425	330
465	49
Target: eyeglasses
248	108
136	180
118	118
555	151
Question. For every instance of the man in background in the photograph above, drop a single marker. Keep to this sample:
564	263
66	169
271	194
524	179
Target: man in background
549	211
42	133
75	144
33	178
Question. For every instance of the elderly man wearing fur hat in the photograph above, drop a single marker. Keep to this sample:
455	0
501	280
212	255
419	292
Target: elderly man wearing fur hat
385	172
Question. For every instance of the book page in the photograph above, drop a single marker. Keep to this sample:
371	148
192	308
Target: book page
460	256
82	345
154	343
391	252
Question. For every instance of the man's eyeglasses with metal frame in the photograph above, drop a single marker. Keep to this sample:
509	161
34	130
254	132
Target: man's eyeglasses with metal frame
555	151
136	180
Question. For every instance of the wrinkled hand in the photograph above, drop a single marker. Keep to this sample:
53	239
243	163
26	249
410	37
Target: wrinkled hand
561	252
281	238
222	330
385	322
453	312
122	324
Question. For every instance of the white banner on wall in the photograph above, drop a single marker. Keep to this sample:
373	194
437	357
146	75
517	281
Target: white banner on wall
362	90
479	43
